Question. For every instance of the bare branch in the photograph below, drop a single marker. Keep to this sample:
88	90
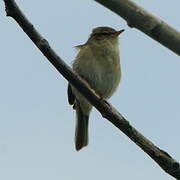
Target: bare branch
164	160
139	18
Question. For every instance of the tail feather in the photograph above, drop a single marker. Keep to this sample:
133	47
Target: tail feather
81	134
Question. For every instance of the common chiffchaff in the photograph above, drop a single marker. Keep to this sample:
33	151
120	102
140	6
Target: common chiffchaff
98	63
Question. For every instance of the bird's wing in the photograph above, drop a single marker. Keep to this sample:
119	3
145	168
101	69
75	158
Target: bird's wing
71	97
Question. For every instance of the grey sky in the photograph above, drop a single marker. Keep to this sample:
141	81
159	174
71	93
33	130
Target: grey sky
36	122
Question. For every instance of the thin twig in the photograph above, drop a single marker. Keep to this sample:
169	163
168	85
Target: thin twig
139	18
165	161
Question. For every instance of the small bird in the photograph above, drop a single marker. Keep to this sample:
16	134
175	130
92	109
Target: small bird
98	63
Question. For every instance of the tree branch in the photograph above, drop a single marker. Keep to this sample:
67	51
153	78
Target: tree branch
139	18
164	160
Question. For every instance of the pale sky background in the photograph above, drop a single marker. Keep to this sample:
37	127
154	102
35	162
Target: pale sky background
37	124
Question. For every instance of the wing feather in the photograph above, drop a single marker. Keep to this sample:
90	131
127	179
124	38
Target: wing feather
71	97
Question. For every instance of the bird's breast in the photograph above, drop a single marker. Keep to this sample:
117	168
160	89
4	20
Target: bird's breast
103	75
108	73
100	69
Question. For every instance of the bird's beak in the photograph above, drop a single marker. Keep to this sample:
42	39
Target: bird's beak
119	32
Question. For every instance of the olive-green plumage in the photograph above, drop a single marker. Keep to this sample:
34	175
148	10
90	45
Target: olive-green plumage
98	64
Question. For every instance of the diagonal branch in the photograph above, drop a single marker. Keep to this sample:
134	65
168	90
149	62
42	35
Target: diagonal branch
165	161
139	18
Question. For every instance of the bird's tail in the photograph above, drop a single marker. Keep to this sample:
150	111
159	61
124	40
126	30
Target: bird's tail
81	132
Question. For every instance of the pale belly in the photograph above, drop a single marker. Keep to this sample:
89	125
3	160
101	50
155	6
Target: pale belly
107	82
103	78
